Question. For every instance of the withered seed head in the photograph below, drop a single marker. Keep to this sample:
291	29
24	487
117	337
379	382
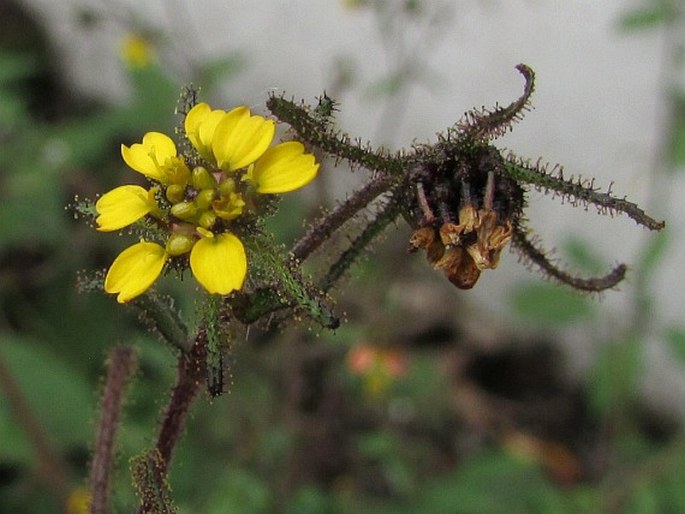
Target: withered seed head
459	267
465	209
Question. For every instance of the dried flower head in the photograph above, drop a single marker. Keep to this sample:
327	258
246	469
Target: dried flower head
462	196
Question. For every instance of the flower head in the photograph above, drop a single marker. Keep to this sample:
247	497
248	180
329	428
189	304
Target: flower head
137	51
197	202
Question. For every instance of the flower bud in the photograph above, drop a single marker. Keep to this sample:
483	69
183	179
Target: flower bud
175	193
202	179
178	244
204	199
207	219
176	171
184	211
227	187
229	207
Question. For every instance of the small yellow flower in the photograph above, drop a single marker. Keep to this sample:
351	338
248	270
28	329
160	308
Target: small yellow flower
233	139
229	207
136	51
353	4
79	501
123	206
241	138
283	168
219	262
200	124
197	207
156	158
135	270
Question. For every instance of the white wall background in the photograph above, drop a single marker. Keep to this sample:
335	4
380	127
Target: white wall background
598	104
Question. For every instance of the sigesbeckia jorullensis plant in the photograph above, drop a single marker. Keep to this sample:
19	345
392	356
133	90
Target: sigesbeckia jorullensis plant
208	197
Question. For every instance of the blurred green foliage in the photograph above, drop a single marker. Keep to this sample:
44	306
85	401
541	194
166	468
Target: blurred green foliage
300	430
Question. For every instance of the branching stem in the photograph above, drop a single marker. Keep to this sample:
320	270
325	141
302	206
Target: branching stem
190	377
122	365
580	192
538	257
323	228
312	130
375	227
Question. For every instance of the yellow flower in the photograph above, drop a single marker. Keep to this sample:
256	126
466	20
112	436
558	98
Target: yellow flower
135	270
219	262
240	139
197	207
137	51
233	139
283	168
79	501
200	124
156	158
237	139
123	206
353	4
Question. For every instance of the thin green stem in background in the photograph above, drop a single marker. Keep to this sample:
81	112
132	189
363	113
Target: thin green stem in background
51	469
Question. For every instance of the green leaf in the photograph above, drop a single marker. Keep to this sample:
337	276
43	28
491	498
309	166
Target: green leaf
15	447
220	70
16	66
494	482
58	397
155	96
654	250
644	18
615	375
13	112
581	256
21	219
679	141
388	86
643	500
241	491
675	337
548	304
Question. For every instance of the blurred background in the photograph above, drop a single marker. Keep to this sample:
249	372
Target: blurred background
517	396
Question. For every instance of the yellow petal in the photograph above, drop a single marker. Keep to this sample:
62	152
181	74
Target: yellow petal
149	156
240	139
134	270
284	167
122	206
200	123
219	263
194	119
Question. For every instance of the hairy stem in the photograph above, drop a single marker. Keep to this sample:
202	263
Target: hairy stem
287	289
537	256
579	192
312	130
326	225
374	228
122	365
150	482
162	318
190	377
483	125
